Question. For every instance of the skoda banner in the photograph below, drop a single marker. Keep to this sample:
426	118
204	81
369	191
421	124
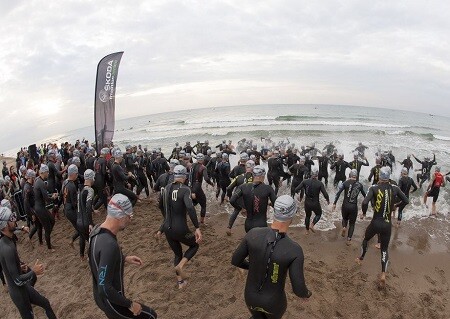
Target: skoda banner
105	92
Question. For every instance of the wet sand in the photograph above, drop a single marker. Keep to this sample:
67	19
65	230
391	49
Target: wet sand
417	282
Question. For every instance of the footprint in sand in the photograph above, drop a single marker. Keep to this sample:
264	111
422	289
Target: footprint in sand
431	281
441	273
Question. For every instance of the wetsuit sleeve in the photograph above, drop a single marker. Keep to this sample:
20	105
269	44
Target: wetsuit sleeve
45	194
206	176
414	185
190	208
341	188
106	265
157	186
74	195
365	162
11	268
333	165
366	201
89	206
297	276
398	192
419	161
371	174
363	192
324	192
234	198
231	187
240	255
272	197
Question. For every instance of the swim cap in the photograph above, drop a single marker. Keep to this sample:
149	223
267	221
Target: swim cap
314	172
188	156
104	151
89	175
200	157
119	206
206	142
404	171
76	153
43	169
252	157
5	203
76	160
244	157
437	169
118	153
353	173
7	179
73	169
250	164
284	208
139	152
6	215
225	156
259	170
22	169
128	147
180	171
219	155
209	152
307	155
255	147
174	162
385	173
30	174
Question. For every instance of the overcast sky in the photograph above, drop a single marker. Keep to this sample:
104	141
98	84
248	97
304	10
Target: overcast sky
189	54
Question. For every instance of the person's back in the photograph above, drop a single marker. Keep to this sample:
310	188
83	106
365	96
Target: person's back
271	254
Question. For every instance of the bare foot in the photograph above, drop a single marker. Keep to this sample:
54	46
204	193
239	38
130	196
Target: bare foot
358	261
312	228
228	231
382	283
343	232
180	272
348	243
52	250
182	284
378	246
307	232
157	236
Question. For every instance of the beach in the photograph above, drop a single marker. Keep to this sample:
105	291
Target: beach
417	283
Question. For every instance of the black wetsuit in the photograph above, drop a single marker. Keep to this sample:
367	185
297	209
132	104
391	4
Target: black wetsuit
272	254
28	203
323	168
308	163
405	183
211	168
20	284
426	170
100	183
375	173
223	179
120	179
107	265
256	200
84	216
276	172
407	163
197	174
237	170
298	172
357	164
142	179
70	198
383	195
312	188
340	166
159	166
235	183
350	204
176	202
41	199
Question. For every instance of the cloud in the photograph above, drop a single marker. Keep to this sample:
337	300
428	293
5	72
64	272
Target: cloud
181	54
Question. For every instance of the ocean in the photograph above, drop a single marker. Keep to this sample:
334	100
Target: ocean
400	131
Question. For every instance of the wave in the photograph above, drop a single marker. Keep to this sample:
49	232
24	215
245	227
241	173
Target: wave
289	118
442	138
236	120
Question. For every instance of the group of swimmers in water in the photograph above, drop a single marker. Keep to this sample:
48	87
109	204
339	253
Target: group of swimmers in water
79	180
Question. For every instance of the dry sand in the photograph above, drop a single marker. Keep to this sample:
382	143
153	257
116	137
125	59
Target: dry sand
417	283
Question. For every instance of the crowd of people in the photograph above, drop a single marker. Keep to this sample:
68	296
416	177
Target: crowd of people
79	180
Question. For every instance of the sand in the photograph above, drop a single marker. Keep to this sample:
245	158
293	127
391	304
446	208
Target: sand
417	283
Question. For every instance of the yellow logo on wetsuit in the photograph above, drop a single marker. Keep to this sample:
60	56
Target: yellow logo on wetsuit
387	204
274	276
